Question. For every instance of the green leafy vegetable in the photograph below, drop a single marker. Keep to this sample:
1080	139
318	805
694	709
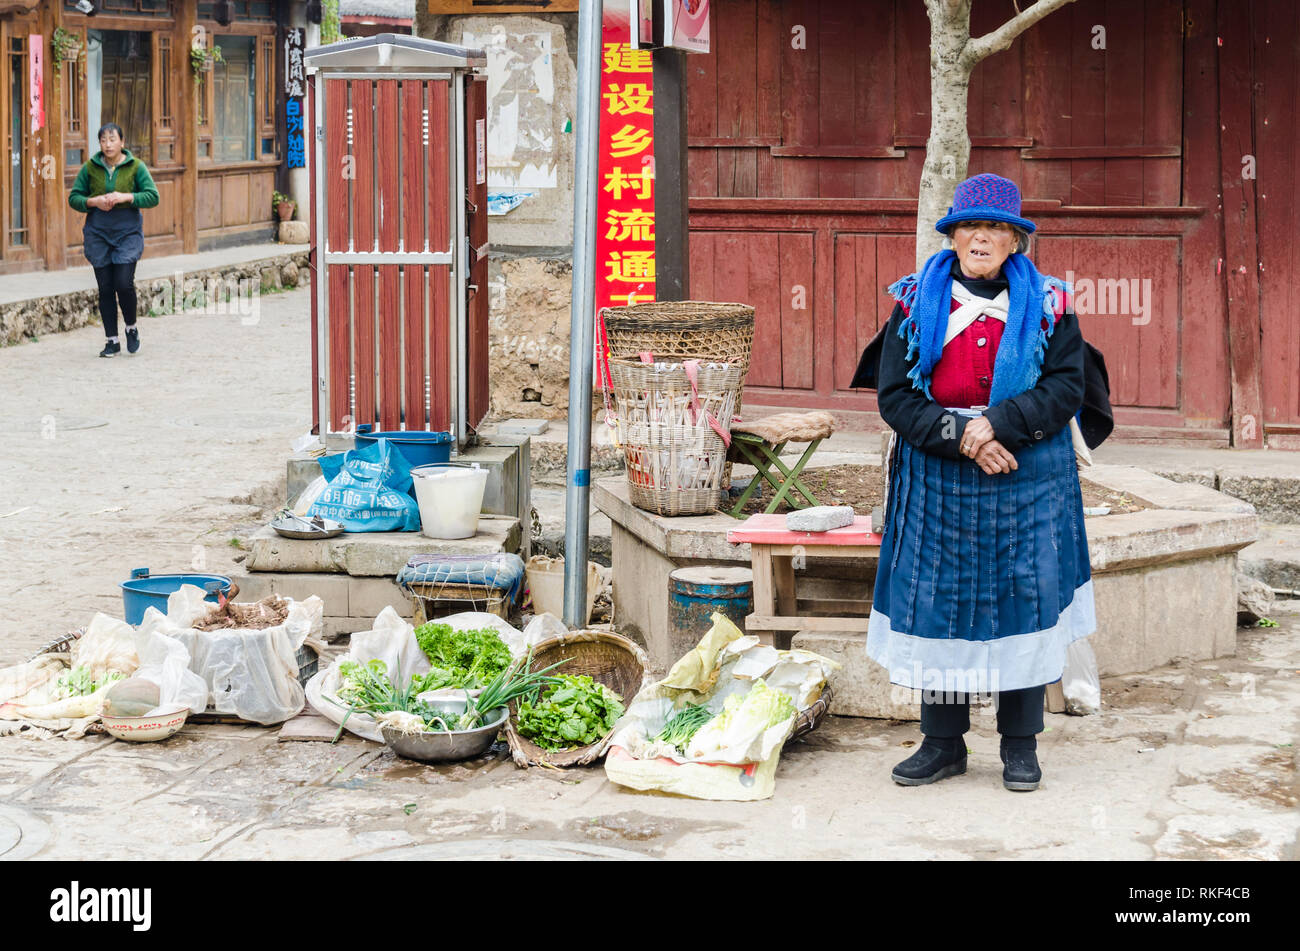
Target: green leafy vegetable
571	711
679	730
461	659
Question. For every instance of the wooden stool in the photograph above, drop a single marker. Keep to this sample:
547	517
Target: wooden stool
773	549
760	445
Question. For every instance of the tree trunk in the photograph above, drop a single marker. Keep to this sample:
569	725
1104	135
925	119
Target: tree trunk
947	152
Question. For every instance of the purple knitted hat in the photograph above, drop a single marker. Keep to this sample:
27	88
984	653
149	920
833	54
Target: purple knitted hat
985	197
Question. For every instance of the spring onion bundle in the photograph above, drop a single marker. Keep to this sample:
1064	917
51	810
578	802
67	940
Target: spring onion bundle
679	730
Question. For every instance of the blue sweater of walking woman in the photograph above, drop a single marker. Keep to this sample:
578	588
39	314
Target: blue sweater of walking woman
983	579
115	236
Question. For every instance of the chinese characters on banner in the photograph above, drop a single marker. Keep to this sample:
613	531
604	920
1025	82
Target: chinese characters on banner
35	81
295	87
625	205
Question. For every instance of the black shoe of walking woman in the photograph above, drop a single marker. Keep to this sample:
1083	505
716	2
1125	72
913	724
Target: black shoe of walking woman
132	340
938	758
111	349
1020	771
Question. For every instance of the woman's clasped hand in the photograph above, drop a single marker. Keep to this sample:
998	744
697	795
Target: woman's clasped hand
977	443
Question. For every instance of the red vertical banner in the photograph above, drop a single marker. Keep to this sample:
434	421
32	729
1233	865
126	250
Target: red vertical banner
36	81
625	204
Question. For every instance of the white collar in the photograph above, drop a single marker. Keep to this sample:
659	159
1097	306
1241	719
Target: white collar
972	305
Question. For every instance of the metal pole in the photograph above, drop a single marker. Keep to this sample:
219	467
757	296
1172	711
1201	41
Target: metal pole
582	314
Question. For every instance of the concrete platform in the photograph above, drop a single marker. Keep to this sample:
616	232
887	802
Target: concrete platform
373	554
351	604
1163	581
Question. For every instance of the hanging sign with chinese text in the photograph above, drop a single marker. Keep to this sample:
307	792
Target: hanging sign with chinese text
36	82
295	87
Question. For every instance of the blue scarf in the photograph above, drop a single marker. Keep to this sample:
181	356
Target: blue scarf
927	298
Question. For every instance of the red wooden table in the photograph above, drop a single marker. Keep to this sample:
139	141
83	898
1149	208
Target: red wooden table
773	550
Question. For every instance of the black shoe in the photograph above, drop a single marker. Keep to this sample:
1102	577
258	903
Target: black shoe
110	349
935	760
132	340
1020	772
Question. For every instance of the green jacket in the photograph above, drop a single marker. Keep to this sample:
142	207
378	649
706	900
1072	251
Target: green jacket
130	176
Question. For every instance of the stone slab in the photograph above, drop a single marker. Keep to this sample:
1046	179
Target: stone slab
1153	536
1275	558
862	687
819	518
374	554
525	427
1163	493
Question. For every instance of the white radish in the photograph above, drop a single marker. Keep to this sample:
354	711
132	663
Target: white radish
72	708
21	680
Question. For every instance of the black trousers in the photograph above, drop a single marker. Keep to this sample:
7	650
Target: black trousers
116	285
1020	712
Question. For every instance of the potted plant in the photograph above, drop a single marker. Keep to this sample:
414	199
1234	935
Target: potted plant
202	59
67	47
284	205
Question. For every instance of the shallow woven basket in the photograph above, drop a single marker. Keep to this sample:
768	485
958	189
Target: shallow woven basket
716	331
674	458
606	658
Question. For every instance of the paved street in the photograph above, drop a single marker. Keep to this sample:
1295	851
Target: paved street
163	458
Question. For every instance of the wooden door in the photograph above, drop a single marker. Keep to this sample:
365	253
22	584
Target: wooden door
20	231
232	101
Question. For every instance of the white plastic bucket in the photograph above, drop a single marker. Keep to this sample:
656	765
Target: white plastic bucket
450	499
546	582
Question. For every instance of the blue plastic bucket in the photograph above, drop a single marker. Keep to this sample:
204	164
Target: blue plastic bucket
145	590
421	448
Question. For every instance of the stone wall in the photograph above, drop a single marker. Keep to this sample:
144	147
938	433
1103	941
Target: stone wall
28	319
529	321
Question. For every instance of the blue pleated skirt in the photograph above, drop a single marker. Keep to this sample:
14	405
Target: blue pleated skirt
983	579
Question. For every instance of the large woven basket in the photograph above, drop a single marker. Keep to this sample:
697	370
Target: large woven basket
606	658
668	329
675	458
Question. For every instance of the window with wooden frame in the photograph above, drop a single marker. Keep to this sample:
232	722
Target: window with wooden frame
203	100
237	100
165	151
72	80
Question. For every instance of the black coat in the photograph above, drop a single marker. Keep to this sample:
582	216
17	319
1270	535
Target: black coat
1018	421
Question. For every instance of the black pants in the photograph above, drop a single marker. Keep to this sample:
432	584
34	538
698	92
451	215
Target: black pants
116	284
1020	712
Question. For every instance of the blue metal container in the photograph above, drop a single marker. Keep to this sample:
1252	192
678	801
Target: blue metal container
420	448
145	590
695	593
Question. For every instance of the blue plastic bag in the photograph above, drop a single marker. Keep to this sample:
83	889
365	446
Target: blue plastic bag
368	490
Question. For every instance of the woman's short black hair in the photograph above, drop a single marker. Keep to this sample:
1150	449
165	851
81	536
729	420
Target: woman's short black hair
110	127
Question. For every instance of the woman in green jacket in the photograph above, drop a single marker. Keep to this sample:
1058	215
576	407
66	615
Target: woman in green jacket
110	190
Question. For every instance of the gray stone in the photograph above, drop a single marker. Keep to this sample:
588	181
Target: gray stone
819	518
374	554
1161	492
526	427
1275	558
1254	599
1276	498
294	232
289	275
270	279
861	686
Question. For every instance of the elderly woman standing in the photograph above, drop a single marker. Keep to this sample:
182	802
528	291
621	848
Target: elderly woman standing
984	576
110	190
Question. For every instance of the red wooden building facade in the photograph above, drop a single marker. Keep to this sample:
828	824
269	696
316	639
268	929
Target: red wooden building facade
1133	128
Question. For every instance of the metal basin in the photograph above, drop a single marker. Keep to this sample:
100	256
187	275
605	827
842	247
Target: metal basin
441	747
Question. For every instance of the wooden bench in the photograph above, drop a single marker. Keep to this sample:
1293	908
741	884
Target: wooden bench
773	552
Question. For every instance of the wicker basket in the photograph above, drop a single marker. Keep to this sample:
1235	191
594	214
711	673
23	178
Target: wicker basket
674	329
674	456
811	718
608	659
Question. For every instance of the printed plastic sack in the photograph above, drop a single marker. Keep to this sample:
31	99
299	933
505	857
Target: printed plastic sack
741	766
368	491
1080	682
251	674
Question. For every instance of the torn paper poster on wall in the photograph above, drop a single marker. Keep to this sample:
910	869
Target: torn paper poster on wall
522	119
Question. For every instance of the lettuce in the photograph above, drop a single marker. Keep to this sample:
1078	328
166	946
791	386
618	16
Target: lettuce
744	719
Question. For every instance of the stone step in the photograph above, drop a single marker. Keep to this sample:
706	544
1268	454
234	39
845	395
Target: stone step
1275	558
